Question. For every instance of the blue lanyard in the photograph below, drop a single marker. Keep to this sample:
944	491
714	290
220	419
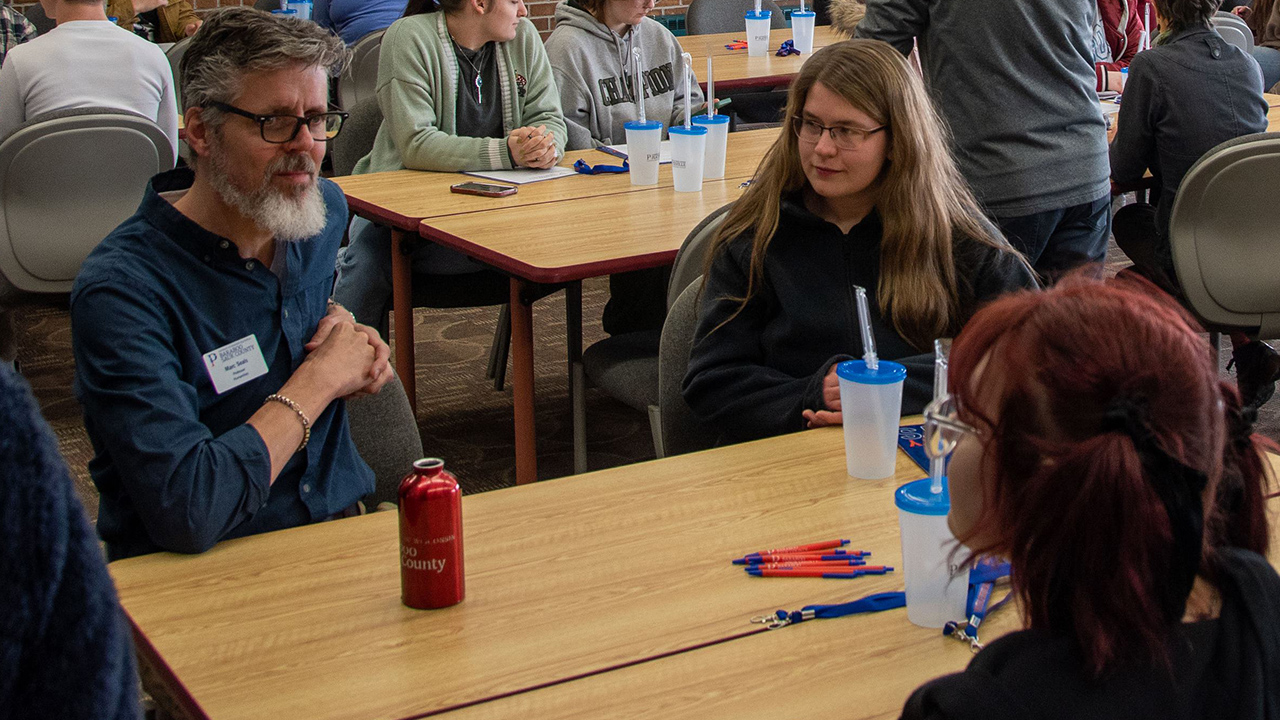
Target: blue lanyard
982	584
582	167
868	604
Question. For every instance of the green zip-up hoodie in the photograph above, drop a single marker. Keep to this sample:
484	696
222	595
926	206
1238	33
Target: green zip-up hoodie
418	92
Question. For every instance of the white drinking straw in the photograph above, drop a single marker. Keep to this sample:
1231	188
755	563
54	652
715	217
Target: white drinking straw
801	5
637	88
711	90
1146	26
757	7
941	348
687	60
868	340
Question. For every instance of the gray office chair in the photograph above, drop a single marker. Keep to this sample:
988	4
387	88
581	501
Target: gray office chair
357	136
67	179
682	431
716	16
1234	35
44	23
360	78
1222	235
268	5
625	366
174	56
386	434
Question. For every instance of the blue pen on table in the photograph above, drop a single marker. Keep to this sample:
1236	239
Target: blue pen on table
818	572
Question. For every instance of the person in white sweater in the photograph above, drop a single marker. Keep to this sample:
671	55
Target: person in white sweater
86	61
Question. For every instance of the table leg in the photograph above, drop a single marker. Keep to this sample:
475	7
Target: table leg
577	376
522	382
402	314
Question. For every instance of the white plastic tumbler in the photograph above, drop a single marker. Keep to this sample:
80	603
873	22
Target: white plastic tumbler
644	151
688	146
303	8
871	402
717	140
937	587
758	33
802	31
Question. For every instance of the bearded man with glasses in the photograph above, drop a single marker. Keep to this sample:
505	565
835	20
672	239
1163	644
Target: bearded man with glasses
211	368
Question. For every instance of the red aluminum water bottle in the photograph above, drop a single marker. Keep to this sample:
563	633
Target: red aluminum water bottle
431	574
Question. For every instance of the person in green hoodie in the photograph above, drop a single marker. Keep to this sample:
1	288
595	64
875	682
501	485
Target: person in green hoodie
462	85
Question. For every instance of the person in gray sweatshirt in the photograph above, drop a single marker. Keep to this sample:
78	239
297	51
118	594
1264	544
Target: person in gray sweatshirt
590	53
1015	83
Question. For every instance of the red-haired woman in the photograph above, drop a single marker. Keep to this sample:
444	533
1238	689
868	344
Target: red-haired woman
1098	451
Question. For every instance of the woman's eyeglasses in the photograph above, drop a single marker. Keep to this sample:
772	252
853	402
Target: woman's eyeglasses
844	136
280	129
943	428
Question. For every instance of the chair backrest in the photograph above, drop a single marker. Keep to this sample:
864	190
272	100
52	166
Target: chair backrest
1222	235
67	179
43	23
360	78
682	431
693	253
269	5
1225	18
386	434
1234	35
174	56
357	136
717	16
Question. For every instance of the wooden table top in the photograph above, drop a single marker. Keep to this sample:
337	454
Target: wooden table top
403	198
609	233
733	69
564	578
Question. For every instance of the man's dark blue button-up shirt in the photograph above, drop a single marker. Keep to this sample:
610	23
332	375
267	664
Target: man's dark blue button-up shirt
176	465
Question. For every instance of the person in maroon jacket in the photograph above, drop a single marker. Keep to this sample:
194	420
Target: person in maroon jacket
1116	39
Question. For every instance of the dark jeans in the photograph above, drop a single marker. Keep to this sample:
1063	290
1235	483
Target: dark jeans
637	301
1140	240
1056	241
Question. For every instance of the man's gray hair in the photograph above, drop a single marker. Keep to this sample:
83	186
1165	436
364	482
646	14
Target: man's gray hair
236	41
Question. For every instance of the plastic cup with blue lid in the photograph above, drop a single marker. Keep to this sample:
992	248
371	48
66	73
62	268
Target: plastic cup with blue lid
937	587
802	23
644	150
871	402
758	23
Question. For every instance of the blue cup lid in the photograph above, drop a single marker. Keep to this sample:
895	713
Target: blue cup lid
806	13
682	130
915	498
887	372
711	120
646	125
762	15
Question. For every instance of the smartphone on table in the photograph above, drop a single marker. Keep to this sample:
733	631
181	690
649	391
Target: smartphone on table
483	189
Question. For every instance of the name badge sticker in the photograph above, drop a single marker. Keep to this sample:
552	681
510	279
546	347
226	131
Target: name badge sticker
235	364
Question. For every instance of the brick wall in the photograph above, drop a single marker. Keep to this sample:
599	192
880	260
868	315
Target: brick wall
540	11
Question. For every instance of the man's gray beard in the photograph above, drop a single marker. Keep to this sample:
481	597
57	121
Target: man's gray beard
290	217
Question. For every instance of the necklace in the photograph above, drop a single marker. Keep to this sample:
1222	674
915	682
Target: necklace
479	82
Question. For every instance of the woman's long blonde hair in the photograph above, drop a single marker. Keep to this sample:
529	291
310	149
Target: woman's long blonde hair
922	200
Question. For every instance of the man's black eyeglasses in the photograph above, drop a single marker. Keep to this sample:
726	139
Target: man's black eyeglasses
280	129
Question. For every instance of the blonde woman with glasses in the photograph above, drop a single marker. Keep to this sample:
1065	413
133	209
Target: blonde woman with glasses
859	189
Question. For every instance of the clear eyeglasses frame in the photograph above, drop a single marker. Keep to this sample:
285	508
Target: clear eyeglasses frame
845	137
943	428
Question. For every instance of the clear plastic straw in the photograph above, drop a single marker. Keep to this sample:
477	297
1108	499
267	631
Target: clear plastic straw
801	5
868	340
941	360
1146	29
757	7
637	87
687	60
711	90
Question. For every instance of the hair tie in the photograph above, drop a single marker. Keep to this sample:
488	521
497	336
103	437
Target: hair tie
1179	487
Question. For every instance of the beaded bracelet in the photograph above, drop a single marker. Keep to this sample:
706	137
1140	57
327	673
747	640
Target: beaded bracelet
306	422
